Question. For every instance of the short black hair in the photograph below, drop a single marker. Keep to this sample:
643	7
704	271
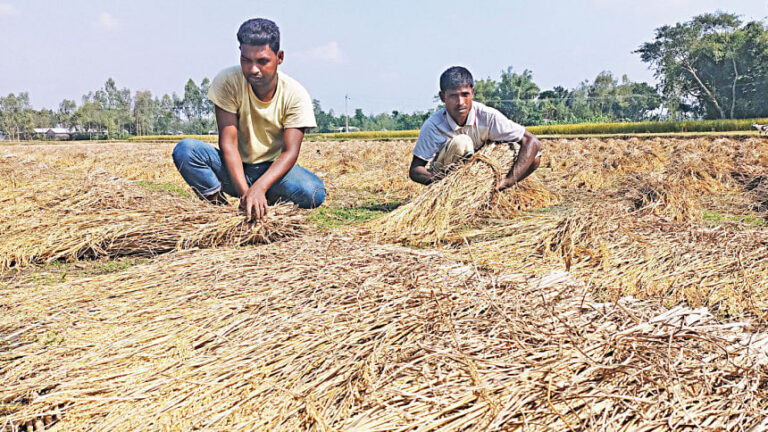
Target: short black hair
455	77
259	31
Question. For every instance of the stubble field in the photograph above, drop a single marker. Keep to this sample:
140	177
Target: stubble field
623	287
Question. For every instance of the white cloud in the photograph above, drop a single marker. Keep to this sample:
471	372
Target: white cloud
330	52
7	9
105	21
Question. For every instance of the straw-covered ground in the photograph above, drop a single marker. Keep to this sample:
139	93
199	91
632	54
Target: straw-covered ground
622	287
50	216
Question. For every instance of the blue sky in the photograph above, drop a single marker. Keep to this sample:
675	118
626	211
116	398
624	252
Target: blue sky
385	55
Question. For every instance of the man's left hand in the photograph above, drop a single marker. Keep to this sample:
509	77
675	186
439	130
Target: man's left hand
505	183
254	203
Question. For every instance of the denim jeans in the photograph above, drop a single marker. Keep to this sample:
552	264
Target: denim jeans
202	167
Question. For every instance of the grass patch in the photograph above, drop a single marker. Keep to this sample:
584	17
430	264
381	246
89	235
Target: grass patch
713	216
557	209
51	338
332	217
56	272
51	273
716	217
328	217
384	207
543	210
165	187
115	265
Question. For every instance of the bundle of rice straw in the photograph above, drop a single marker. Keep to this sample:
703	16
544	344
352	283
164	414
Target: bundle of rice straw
592	179
661	195
724	268
70	216
702	166
336	334
529	194
756	188
456	201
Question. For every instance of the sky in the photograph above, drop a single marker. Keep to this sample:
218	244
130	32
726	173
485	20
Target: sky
385	55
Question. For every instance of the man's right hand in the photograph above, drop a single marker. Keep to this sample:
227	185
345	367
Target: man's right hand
250	201
254	203
419	173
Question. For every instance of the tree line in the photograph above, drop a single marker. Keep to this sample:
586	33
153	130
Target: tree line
111	112
712	67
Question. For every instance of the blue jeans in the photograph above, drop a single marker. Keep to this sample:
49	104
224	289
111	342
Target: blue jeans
202	167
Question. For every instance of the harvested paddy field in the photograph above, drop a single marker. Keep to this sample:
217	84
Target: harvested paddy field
622	287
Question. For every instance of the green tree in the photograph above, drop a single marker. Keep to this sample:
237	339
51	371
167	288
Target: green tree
208	109
16	116
518	93
579	109
634	101
91	116
359	118
514	95
108	110
167	120
324	121
609	100
712	62
486	92
66	115
118	104
600	96
44	118
145	113
552	104
196	107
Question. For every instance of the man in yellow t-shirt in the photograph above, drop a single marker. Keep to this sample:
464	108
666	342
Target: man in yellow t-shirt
261	115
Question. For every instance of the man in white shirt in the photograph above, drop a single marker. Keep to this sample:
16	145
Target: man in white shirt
463	127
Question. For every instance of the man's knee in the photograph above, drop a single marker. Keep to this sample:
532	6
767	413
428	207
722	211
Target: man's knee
461	146
183	151
300	187
309	195
457	149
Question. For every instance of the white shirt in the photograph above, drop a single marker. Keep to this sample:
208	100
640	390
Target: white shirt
483	124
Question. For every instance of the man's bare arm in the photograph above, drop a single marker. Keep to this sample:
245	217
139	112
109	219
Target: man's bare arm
419	173
227	124
526	163
255	201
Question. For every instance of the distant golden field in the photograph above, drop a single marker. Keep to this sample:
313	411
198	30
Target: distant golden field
624	285
741	128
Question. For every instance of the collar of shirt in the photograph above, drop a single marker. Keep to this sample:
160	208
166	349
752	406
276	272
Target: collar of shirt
471	119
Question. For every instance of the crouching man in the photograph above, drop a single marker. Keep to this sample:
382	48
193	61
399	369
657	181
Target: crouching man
261	116
455	132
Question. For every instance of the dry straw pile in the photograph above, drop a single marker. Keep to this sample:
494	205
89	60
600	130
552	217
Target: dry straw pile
150	162
336	334
669	220
50	216
723	267
376	170
462	199
658	194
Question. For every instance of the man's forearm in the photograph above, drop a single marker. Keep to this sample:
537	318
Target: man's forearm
287	159
234	165
227	125
421	175
526	159
279	168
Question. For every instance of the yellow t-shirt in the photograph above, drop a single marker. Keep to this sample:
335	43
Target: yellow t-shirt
260	125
